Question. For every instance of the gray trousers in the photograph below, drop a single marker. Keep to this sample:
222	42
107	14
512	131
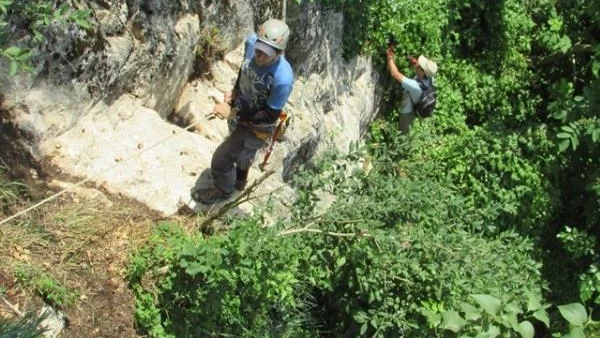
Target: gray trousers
404	122
237	151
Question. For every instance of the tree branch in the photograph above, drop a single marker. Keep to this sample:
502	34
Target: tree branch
241	198
576	49
324	232
12	307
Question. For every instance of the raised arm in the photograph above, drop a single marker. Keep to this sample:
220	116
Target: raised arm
394	72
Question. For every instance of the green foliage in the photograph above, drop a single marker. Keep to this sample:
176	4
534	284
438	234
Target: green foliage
488	316
578	124
385	144
17	57
489	63
492	171
53	292
493	317
551	35
242	284
572	107
575	133
578	319
26	327
589	287
35	17
359	269
581	246
40	14
577	242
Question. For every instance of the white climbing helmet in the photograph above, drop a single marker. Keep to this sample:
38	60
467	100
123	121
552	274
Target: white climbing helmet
274	33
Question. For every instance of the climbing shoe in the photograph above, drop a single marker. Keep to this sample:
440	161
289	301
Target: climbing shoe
210	195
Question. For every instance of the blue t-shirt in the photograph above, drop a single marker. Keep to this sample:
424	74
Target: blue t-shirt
412	93
259	87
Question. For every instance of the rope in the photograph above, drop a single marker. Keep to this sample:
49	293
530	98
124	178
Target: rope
62	192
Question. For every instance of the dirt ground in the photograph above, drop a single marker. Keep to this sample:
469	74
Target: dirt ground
84	245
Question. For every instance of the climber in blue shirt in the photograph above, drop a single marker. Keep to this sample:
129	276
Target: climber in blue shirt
262	88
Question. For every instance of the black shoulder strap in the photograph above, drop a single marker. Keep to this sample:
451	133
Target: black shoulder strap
423	87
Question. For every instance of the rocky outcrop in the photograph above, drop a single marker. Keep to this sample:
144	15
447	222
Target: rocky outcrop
116	114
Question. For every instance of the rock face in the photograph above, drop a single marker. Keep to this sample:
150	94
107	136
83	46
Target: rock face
129	113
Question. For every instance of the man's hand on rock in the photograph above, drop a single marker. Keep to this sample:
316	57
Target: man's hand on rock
222	110
228	97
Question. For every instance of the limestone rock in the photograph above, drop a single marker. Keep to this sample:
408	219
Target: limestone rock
125	117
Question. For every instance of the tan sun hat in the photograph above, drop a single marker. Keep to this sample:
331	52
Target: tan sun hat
429	67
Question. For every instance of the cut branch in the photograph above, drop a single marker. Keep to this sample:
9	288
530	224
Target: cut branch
576	49
324	232
13	308
241	198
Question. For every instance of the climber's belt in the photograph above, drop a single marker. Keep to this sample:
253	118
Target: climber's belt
261	131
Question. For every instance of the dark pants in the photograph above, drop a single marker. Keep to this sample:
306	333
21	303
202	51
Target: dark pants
236	152
405	121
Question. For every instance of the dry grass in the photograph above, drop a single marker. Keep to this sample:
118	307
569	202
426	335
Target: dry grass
83	246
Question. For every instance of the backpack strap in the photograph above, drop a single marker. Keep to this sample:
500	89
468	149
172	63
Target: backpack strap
423	86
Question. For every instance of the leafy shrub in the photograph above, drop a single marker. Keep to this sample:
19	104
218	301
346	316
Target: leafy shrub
492	317
359	269
589	288
493	173
241	284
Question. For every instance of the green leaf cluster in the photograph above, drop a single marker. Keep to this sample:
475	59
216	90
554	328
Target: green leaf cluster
51	290
36	17
493	172
493	317
241	284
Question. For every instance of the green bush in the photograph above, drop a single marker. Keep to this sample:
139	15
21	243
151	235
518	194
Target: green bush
488	316
241	284
494	173
362	268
